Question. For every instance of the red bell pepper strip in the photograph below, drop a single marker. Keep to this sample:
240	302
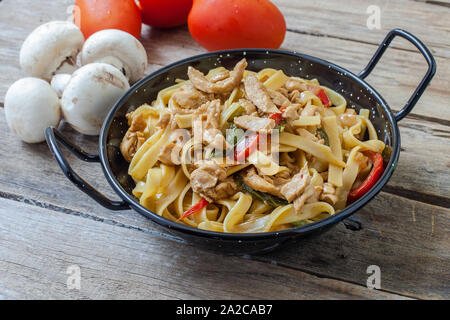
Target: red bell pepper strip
249	144
320	92
371	179
277	117
246	147
196	207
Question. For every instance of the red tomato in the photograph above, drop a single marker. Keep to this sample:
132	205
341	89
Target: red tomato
165	13
95	15
232	24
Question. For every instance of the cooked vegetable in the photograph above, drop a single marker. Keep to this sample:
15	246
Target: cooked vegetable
234	134
246	147
323	135
371	179
277	117
257	195
92	16
31	105
299	223
165	13
320	92
196	207
227	24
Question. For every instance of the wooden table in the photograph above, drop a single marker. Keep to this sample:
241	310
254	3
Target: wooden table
47	225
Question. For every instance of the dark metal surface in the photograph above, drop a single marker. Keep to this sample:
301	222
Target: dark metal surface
425	80
53	136
358	93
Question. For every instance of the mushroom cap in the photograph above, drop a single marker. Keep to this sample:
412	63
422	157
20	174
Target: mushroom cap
59	82
31	105
119	49
47	48
91	92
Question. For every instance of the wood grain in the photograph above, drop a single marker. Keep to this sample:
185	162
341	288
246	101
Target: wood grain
349	21
336	254
396	76
51	224
38	245
407	239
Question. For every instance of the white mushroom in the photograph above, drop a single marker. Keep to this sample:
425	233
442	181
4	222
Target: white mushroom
91	92
50	49
31	105
119	49
59	83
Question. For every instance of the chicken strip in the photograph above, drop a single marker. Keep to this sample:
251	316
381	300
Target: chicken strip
226	85
258	94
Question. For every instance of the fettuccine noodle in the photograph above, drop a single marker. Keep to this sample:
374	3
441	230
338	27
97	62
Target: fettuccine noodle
243	152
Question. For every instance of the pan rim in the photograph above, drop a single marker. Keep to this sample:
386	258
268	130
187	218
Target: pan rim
327	222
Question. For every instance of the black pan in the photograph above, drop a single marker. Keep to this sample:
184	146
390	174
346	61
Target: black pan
357	92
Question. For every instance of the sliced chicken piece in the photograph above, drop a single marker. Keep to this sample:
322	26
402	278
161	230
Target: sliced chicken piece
292	85
297	185
200	82
258	94
254	181
283	91
279	99
295	96
134	137
329	193
220	76
291	112
170	154
310	110
189	98
211	182
262	125
314	193
164	119
249	107
209	130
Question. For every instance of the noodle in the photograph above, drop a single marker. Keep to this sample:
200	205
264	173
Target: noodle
237	166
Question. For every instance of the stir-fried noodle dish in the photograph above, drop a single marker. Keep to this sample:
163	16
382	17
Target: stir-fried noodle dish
243	152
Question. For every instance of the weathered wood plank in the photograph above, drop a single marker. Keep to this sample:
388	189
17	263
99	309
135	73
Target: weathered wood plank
413	256
408	240
395	78
35	176
349	20
38	245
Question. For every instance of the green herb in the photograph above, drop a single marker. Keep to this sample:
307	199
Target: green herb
257	195
280	127
299	223
323	135
234	134
386	154
237	113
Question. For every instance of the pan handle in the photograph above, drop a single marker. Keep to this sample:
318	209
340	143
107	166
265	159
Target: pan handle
426	79
53	136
